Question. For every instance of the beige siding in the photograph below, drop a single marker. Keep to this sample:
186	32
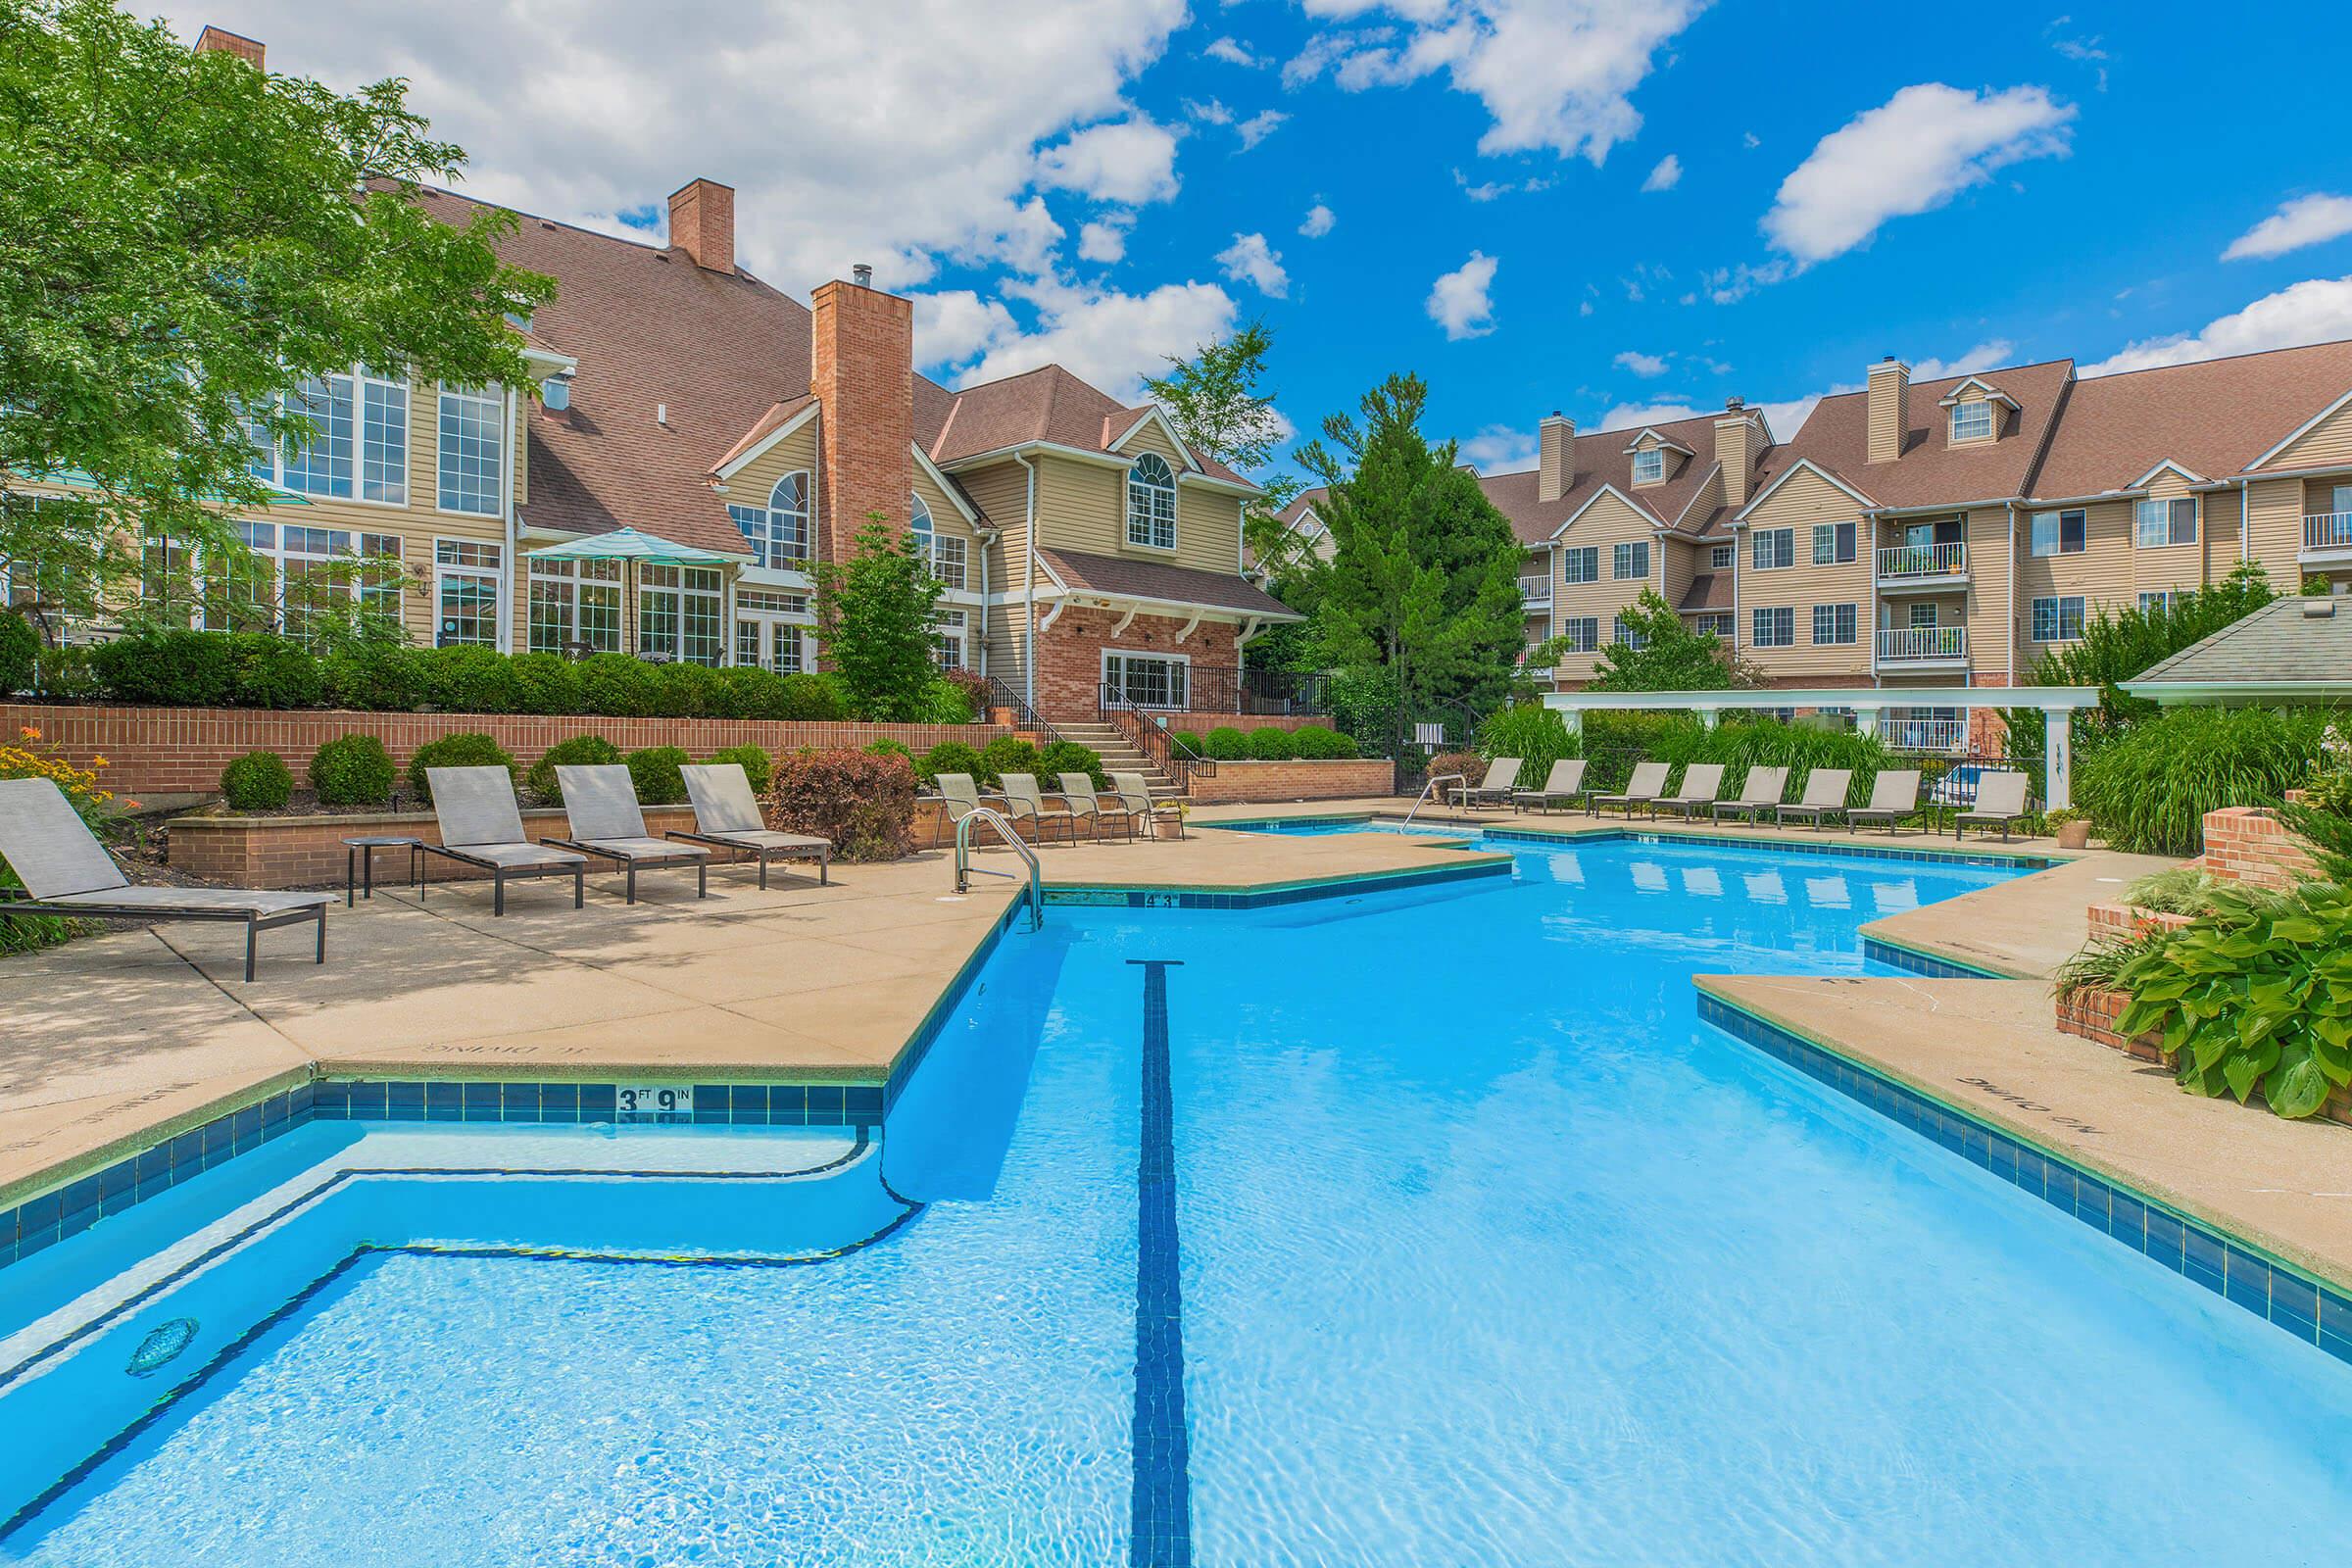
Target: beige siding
1082	506
947	518
2330	441
1993	632
1154	437
2102	575
1681	562
2275	528
1602	525
2174	568
1804	503
1208	529
1001	490
750	485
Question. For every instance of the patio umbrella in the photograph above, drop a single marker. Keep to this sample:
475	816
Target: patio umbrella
636	551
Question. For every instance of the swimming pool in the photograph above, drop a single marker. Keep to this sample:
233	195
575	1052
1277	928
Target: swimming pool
1401	1227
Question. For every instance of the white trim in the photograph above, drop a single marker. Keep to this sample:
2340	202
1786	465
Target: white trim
2194	479
2302	430
1713	468
736	465
1805	465
1666	441
1020	450
1100	599
1992	394
1154	412
1128	619
1606	489
947	487
1189	626
1106	655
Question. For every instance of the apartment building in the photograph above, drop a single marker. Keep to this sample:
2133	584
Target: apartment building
1080	541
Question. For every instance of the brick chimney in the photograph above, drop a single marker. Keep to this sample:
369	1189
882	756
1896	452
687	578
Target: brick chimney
1735	449
219	40
862	376
702	224
1889	406
1555	471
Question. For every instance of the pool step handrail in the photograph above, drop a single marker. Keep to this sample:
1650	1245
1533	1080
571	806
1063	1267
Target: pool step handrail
1001	826
1433	782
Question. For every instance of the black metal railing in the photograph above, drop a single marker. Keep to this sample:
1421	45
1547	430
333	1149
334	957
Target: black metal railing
1024	716
1275	693
1144	730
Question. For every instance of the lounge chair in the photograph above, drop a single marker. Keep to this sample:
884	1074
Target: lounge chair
600	805
1135	794
481	826
1647	785
1026	800
66	872
726	815
1893	796
2000	800
1758	794
1565	782
1078	790
1701	781
959	798
1825	796
1502	774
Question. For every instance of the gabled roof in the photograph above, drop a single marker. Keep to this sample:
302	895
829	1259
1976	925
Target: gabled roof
1992	394
1046	405
1079	571
2290	648
779	421
1931	472
1650	432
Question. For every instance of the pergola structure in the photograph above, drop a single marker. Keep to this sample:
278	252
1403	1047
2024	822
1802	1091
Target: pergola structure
2056	703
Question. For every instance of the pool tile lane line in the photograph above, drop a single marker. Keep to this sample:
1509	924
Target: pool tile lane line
1162	1535
2232	1268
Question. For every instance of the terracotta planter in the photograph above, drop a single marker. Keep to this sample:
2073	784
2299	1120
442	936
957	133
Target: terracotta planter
2075	835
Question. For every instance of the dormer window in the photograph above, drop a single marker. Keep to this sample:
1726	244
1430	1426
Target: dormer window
1649	467
1971	421
1151	502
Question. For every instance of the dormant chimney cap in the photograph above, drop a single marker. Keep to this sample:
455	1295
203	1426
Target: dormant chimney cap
862	276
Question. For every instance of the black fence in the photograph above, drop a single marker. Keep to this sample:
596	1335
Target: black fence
1217	689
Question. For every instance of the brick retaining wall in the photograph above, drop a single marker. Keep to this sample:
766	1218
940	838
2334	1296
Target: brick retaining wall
2247	844
180	750
2091	1014
1337	779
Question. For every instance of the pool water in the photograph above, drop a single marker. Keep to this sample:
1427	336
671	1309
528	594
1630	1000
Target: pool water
1415	1227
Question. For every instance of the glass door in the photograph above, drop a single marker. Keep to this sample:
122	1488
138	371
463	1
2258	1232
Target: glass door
1149	680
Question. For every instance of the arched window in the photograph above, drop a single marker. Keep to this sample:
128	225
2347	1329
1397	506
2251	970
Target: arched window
1151	502
944	553
778	534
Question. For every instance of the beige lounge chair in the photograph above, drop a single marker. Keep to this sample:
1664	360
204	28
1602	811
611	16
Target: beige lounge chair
1134	792
1647	785
1502	775
481	826
959	798
1078	792
1026	800
66	871
726	815
1565	782
599	805
1893	796
1759	792
2000	800
1825	796
1701	781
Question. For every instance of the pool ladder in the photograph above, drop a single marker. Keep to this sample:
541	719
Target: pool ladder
1423	798
1001	826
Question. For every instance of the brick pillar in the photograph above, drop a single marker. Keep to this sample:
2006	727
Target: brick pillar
862	376
219	40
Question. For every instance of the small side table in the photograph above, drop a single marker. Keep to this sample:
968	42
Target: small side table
359	864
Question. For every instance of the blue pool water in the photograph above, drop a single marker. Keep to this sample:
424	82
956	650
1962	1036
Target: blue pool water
1426	1227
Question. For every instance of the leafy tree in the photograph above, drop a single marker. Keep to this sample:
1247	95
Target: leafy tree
874	613
1424	577
185	238
1665	654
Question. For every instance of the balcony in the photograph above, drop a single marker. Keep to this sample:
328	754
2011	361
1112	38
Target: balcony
1535	591
1922	647
1924	734
1923	569
2328	536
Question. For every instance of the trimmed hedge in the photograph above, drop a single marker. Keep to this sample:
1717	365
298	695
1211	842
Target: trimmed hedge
465	749
258	781
375	678
353	770
951	756
581	751
1008	753
1068	757
1318	744
1271	744
757	766
655	773
20	649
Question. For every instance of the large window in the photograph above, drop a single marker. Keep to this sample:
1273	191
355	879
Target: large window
465	579
1649	467
764	636
296	580
2058	619
576	604
1151	502
1629	563
1833	625
1715	621
2058	534
1629	636
1971	421
1773	548
1833	543
1583	633
358	440
678	613
1581	565
947	639
2158	604
1148	680
2157	523
1774	628
777	533
943	553
470	444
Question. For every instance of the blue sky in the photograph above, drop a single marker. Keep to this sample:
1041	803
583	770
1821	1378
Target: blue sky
1606	209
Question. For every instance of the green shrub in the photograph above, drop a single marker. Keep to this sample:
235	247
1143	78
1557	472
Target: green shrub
464	748
184	668
813	697
1187	743
655	773
269	671
951	757
863	803
887	747
746	691
373	678
1068	757
577	750
687	691
2149	787
258	781
65	674
2181	890
2255	997
20	649
1269	744
1007	753
943	703
1535	734
617	686
468	679
1227	744
1319	744
353	770
545	683
757	766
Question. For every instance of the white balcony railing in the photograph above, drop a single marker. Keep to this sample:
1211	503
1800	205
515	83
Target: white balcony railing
1906	644
2328	530
1536	590
1904	561
1924	734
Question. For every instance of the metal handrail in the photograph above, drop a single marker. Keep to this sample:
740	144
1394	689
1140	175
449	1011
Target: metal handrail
1004	829
1024	715
1434	780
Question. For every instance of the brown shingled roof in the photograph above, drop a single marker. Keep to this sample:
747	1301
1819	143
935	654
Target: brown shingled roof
1709	590
1931	472
2214	417
1047	404
1117	577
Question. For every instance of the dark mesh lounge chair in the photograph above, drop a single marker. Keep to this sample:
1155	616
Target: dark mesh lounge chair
726	815
600	803
66	872
481	826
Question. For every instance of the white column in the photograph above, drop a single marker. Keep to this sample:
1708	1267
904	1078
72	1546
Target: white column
1574	718
2057	732
1709	718
1866	720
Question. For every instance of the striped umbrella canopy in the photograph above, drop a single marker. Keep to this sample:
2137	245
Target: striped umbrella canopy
627	543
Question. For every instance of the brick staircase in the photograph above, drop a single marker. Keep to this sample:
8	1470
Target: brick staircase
1119	754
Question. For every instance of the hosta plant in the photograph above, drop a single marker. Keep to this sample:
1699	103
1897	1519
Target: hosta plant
2254	997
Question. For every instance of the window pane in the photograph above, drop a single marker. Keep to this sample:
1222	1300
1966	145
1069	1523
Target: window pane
1971	421
384	443
1151	502
469	452
322	465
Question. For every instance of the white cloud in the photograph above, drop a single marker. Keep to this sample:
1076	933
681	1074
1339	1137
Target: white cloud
1633	415
1104	239
1104	336
1641	364
1459	301
1211	112
1258	126
1251	259
1234	53
925	152
2305	221
1131	161
1584	308
1666	175
951	327
2318	310
1499	449
1789	417
1982	357
1551	73
1912	154
1319	222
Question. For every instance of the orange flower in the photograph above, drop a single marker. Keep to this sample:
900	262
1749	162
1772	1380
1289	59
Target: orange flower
97	761
31	734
